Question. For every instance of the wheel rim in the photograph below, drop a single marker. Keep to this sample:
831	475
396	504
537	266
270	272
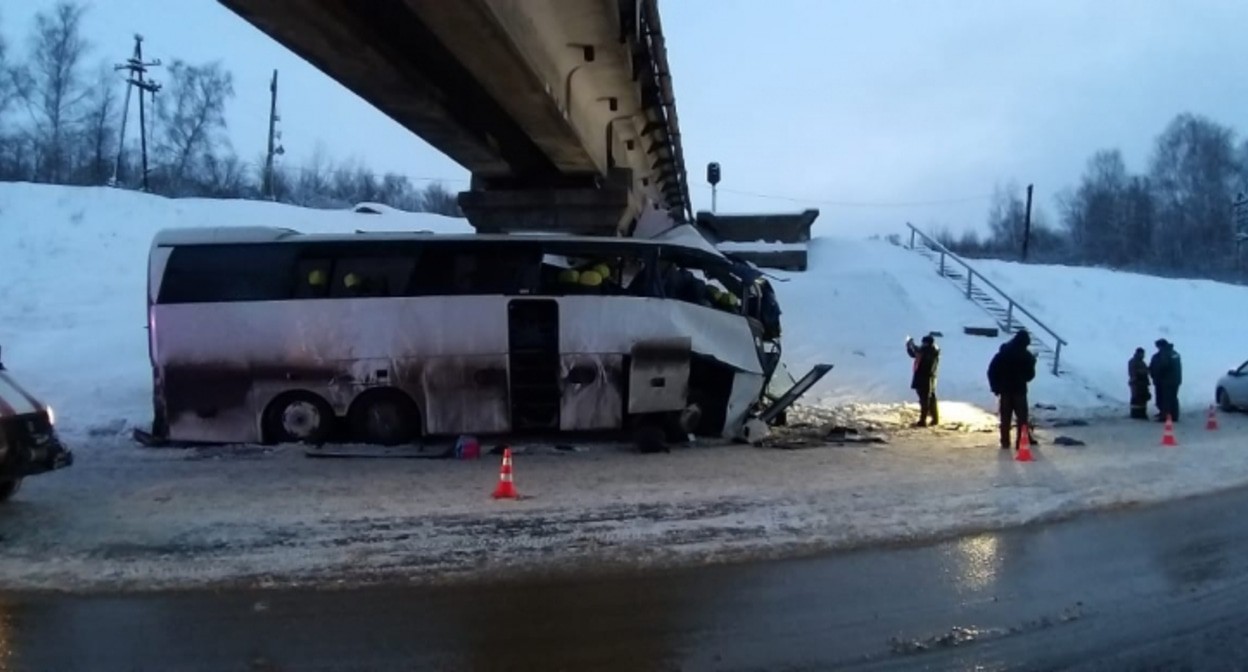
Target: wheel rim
301	420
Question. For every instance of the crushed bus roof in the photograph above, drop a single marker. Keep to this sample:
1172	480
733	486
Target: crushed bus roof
688	239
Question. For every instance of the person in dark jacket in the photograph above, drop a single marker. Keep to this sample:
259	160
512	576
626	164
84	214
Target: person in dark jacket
923	382
1011	369
1138	379
1167	371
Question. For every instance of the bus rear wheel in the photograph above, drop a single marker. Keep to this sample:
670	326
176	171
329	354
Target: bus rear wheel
384	417
298	417
9	488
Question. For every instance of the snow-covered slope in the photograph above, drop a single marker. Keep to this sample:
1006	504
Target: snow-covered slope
73	276
1105	315
857	304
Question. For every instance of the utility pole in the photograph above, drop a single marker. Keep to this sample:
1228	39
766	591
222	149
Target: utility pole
137	68
1027	223
270	188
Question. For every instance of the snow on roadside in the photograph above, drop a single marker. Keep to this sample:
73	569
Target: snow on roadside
128	518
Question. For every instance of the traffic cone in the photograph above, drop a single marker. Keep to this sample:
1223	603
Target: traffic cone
1212	423
1167	436
1024	444
506	488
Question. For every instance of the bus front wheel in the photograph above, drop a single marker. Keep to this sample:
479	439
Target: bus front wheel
298	417
384	417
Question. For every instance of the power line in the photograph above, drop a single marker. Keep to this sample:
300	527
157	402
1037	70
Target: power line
859	204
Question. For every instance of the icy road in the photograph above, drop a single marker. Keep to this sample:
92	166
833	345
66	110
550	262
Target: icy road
124	517
1161	588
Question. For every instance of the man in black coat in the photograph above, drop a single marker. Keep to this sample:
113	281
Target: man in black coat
1166	369
1137	379
1008	374
923	382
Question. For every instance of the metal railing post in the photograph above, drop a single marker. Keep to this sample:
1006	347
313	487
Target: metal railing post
1057	355
942	264
969	275
912	237
1009	317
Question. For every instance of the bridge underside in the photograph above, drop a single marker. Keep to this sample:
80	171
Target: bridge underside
562	109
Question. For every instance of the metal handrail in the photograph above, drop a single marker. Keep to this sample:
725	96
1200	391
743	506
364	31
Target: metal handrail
971	273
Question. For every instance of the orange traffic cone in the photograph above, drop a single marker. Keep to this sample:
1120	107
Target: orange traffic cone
1212	423
1024	444
1167	436
506	488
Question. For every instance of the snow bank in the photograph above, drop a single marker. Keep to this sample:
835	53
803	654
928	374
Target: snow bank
1105	315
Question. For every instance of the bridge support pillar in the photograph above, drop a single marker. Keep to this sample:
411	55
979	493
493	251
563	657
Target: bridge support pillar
604	209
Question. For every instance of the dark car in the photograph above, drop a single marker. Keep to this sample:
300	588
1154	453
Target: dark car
28	441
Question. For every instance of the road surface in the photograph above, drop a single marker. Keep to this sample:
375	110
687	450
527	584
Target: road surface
1154	588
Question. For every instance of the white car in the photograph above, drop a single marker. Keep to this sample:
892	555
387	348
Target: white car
1233	389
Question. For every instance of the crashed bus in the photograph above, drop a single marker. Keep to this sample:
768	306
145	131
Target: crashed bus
268	335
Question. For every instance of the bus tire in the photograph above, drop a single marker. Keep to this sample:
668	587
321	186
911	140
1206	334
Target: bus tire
386	417
9	488
298	417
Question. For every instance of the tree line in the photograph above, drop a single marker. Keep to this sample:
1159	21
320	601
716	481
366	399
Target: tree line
61	120
1175	218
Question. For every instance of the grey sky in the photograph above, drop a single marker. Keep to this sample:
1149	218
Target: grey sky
834	101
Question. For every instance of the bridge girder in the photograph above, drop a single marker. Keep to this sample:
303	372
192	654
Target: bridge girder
525	94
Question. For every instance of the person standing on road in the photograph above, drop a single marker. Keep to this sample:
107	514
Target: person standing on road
926	362
1011	369
1138	379
1167	371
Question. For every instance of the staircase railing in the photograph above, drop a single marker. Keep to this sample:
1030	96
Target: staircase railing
947	256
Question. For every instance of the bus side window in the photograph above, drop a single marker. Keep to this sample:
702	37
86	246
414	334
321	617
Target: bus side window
379	276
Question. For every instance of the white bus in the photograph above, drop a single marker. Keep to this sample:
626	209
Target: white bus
269	335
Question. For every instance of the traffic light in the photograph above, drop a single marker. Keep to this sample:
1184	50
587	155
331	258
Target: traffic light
712	173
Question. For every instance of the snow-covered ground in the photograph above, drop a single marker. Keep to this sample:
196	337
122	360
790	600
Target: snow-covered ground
72	286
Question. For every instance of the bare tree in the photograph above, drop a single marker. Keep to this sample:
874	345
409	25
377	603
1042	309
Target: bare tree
1007	225
101	126
8	80
1193	175
52	86
191	118
439	200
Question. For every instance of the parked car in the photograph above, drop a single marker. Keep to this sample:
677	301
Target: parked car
1232	390
28	441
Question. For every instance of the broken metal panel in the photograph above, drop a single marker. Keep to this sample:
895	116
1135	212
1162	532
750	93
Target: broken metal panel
593	325
592	396
658	378
746	389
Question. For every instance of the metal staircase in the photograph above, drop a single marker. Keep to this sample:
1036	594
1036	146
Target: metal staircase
1008	314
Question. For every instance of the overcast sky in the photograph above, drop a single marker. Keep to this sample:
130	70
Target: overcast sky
856	107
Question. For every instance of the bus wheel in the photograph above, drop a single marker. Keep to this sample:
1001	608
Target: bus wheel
9	488
298	417
384	417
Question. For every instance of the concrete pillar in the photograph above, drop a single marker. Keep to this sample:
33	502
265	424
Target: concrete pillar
602	210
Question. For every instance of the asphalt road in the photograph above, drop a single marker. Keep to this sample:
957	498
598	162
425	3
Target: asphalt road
1160	588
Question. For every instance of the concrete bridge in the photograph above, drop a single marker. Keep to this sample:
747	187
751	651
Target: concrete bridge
562	110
